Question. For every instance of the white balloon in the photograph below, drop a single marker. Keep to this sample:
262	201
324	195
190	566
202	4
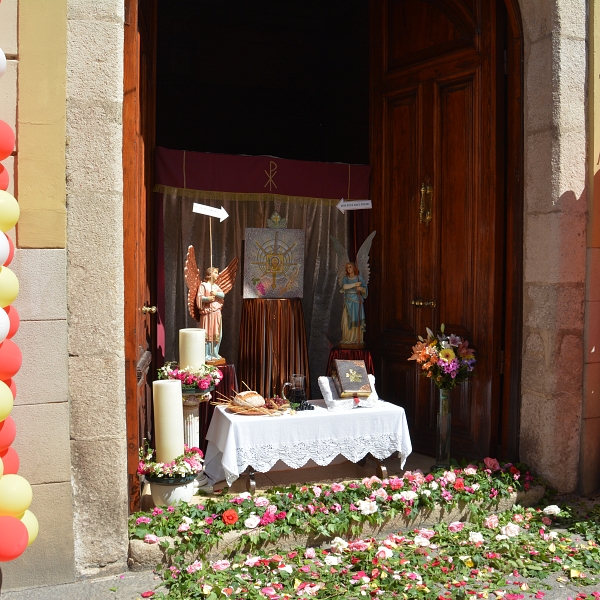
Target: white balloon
2	62
4	325
4	248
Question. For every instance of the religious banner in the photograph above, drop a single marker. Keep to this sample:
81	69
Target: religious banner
274	263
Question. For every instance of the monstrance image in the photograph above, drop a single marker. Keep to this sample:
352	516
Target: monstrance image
274	263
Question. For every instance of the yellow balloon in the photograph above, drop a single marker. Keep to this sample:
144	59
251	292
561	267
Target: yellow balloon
9	211
30	521
6	401
9	286
15	495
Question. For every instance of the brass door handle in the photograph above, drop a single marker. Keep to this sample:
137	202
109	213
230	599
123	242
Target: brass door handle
426	205
148	309
424	304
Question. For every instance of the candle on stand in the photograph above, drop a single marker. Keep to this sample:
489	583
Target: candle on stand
192	348
168	419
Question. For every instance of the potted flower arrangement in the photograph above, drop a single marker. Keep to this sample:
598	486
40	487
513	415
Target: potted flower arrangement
201	380
448	361
172	481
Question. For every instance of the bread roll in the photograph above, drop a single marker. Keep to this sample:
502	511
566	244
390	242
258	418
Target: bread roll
249	398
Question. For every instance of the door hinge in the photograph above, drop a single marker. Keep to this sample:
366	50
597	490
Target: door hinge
501	362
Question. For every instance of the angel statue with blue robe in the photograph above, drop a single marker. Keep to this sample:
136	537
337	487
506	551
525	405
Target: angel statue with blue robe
353	280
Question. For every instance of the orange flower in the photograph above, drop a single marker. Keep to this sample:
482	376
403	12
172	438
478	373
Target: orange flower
230	517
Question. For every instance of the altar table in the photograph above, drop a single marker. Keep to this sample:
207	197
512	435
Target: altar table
236	442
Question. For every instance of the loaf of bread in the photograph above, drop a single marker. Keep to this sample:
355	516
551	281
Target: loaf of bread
249	398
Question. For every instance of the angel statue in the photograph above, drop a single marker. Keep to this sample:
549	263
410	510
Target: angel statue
353	280
205	301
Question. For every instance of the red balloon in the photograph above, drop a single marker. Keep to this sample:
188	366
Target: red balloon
15	320
7	140
13	538
10	359
12	385
8	432
11	248
11	461
4	178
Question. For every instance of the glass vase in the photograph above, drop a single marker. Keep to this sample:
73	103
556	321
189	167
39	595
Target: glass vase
444	421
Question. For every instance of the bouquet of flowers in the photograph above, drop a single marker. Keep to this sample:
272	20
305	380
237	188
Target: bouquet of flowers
447	359
204	377
188	464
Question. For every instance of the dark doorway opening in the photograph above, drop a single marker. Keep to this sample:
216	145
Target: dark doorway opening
288	79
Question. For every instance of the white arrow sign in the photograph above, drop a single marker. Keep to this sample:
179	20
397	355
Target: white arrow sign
221	213
344	205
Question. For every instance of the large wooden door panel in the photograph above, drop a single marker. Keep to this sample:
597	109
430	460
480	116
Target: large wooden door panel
434	118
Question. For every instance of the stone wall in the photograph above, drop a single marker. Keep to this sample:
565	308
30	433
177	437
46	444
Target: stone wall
555	237
95	283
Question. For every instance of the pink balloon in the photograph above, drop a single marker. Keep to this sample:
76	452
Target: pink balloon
13	538
4	178
14	319
10	359
10	459
7	140
8	432
11	251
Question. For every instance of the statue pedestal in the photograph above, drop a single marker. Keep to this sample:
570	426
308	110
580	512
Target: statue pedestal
191	421
272	344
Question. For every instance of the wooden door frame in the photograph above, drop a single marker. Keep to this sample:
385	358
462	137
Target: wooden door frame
505	419
138	121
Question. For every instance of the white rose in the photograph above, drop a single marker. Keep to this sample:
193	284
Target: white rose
501	537
338	545
332	560
510	530
426	492
434	485
551	510
475	486
475	537
367	507
187	520
421	541
252	521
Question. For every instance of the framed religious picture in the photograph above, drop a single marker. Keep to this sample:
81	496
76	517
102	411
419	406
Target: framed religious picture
274	263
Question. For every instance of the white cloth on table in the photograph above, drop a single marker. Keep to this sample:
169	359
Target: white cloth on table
236	442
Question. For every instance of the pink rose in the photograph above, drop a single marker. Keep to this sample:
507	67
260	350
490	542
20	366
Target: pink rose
546	521
426	533
150	538
337	487
309	553
261	501
142	520
221	565
316	491
470	470
492	464
491	522
183	527
456	526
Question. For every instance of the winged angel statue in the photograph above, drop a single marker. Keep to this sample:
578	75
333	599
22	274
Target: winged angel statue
353	280
206	298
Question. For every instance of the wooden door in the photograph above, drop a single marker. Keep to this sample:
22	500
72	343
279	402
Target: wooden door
140	291
436	114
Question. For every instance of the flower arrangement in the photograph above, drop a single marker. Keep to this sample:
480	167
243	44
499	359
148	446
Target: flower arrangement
489	555
446	359
187	465
204	377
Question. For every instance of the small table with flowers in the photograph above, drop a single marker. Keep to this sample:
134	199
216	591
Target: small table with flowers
238	442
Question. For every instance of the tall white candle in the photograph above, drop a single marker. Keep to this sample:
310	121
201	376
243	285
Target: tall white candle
192	347
168	419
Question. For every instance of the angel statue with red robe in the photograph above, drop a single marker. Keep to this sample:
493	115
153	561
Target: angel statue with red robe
205	301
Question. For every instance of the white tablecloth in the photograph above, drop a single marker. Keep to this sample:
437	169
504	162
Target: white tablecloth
236	442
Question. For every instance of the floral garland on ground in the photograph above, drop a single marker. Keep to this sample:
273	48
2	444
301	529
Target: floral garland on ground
445	561
189	463
204	377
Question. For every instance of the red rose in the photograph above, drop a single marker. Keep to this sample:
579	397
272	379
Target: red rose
230	517
459	485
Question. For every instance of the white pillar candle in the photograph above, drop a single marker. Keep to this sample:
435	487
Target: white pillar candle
168	419
192	348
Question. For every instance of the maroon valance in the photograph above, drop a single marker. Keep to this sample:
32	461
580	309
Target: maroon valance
235	177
